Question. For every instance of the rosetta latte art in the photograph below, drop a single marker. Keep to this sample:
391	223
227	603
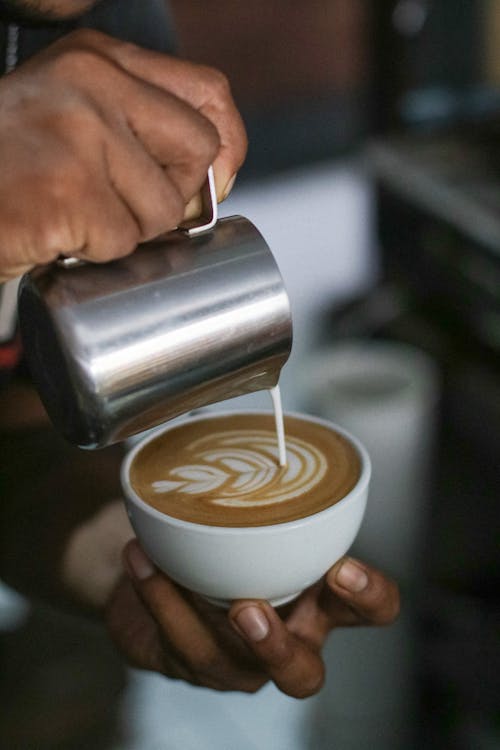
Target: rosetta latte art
241	468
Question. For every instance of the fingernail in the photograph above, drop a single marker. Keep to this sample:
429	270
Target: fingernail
352	577
253	623
193	208
141	566
229	187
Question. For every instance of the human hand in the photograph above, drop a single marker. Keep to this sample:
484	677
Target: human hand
103	145
161	627
90	565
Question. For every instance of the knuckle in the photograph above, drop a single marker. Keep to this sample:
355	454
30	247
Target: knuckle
212	141
55	234
82	57
114	244
84	38
217	83
386	603
100	46
168	215
72	117
170	206
282	655
394	607
53	239
175	207
205	146
75	61
207	660
127	237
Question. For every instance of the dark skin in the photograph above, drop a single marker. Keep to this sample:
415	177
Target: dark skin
110	147
156	623
66	538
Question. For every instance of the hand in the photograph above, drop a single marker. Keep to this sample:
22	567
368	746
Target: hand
90	565
159	626
103	145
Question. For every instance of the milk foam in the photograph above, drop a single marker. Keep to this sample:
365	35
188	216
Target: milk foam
275	394
242	468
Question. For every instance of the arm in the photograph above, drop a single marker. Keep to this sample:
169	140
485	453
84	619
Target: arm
102	145
58	505
110	146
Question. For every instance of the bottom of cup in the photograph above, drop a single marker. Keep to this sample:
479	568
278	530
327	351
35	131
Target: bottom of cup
279	602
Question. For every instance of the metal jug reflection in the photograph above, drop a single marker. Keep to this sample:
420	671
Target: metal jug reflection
192	318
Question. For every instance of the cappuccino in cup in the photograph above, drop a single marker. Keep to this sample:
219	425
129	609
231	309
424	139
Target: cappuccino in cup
224	471
216	511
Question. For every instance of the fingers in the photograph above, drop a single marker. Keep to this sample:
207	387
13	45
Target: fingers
189	641
289	650
159	164
135	633
156	145
220	109
198	647
91	562
110	145
178	622
295	667
203	88
363	595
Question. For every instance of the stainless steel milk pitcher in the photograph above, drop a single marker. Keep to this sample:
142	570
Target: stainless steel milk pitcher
189	319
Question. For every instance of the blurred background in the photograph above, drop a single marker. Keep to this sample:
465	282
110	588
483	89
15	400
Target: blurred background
373	173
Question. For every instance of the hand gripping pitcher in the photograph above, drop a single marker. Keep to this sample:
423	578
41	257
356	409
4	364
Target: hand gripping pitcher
195	317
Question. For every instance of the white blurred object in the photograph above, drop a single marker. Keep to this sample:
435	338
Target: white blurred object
410	16
369	700
14	609
318	223
386	393
159	713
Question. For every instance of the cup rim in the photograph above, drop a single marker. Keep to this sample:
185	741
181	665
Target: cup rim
385	358
132	496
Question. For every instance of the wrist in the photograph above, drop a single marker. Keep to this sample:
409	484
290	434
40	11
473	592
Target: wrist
91	562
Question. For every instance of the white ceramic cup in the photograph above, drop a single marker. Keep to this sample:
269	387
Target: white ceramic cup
275	562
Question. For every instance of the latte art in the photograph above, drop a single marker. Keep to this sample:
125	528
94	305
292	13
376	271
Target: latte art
242	466
224	470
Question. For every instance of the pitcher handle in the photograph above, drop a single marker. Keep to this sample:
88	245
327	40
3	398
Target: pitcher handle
209	215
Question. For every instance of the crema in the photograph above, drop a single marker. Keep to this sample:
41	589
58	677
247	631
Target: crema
224	470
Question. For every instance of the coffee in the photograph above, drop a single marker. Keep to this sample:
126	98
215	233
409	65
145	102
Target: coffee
224	470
